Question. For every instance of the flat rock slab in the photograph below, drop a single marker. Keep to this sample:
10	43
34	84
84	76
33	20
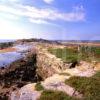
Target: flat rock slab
26	96
88	73
56	82
77	72
27	92
64	88
56	78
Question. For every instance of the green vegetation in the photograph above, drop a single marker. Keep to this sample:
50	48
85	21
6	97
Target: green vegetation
66	54
5	45
73	54
89	87
39	87
65	74
90	53
55	95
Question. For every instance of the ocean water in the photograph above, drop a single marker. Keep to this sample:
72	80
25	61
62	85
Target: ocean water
5	40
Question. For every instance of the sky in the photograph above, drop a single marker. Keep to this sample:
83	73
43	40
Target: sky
50	19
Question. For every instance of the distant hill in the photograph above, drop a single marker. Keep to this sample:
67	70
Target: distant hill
39	40
6	40
83	41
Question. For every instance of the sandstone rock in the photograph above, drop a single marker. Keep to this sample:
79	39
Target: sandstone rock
97	67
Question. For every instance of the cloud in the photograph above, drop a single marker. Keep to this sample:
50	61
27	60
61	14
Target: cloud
48	1
44	16
38	21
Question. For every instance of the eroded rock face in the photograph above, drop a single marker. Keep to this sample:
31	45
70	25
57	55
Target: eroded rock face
44	68
48	64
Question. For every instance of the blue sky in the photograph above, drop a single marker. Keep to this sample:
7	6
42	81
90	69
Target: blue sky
50	19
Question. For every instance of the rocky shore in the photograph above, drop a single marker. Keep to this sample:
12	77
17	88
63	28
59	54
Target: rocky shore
18	74
19	78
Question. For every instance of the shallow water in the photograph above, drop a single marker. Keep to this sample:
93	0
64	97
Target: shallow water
9	57
5	40
23	47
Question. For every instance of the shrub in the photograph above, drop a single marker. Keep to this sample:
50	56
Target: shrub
65	74
39	87
5	45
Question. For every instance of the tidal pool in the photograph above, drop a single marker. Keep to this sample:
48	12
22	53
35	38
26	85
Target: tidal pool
9	57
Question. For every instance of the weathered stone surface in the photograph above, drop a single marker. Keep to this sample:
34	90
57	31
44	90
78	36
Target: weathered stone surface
27	92
47	63
18	74
56	82
36	67
97	67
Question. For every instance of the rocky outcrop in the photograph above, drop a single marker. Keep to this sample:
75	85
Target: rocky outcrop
57	82
27	92
97	66
37	66
45	69
48	64
18	74
23	41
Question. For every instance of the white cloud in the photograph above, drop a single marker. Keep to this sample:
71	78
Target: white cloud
38	21
43	16
48	1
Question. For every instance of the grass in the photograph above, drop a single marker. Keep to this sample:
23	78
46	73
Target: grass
89	87
67	55
72	54
65	74
39	87
55	95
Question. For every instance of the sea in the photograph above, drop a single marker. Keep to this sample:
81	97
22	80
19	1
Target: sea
6	40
